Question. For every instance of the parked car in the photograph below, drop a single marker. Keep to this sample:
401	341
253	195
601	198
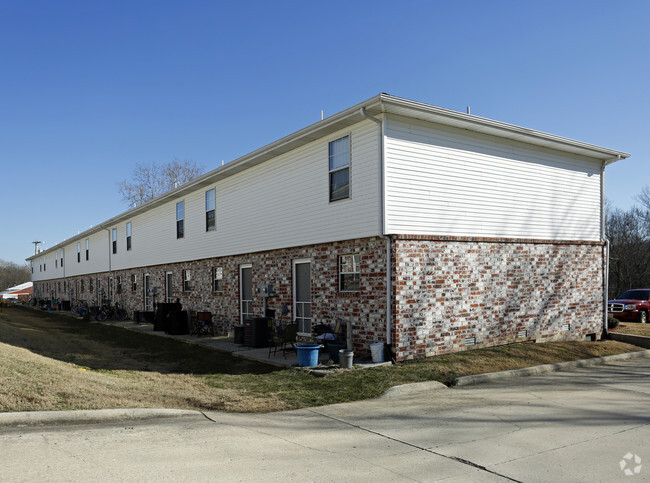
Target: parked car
631	305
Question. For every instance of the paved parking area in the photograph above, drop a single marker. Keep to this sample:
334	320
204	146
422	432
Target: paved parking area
587	424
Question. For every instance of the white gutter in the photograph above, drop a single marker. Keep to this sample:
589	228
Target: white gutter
603	238
382	231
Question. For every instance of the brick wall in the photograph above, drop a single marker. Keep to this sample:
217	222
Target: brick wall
366	308
447	291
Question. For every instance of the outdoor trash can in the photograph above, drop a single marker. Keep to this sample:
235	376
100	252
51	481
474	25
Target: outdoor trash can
307	354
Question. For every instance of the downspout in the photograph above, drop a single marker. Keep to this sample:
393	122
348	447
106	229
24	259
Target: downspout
603	238
382	234
110	270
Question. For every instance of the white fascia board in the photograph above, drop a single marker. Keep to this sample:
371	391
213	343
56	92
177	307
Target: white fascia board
439	115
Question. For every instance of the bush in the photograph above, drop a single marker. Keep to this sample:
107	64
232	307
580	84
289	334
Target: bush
612	323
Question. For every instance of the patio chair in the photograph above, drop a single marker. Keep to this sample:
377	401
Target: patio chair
203	324
283	340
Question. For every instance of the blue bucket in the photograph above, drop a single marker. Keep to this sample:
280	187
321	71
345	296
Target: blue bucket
307	354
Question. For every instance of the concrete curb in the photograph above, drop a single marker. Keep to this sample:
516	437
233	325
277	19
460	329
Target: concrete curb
638	340
546	368
47	418
414	388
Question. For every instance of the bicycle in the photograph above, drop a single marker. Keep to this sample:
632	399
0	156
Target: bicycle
80	308
106	311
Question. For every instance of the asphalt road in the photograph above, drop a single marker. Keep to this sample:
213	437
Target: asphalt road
576	425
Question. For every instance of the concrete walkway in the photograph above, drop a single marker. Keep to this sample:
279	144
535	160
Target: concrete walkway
585	424
227	344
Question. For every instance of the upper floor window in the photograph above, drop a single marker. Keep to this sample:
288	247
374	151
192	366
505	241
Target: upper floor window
339	166
78	252
87	249
180	219
217	279
210	217
128	236
114	238
349	273
61	257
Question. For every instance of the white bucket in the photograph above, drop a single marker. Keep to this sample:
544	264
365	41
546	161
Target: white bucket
346	358
377	351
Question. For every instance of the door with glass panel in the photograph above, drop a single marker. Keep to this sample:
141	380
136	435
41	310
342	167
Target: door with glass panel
147	293
246	292
302	295
169	287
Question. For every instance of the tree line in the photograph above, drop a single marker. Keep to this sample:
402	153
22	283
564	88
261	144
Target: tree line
628	232
12	274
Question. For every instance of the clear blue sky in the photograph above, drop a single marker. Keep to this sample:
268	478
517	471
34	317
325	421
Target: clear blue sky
89	88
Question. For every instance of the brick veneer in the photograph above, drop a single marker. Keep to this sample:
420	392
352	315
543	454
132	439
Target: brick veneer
366	308
447	291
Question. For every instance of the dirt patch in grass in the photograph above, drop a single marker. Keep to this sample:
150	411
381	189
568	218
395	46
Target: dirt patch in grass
54	362
633	328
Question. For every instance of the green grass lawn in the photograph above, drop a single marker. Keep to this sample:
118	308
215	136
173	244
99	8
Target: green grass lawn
55	362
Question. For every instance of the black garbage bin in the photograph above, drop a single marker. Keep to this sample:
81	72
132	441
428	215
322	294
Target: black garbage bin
162	310
177	323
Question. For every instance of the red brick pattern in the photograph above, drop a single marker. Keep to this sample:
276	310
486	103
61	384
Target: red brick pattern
445	290
366	309
448	291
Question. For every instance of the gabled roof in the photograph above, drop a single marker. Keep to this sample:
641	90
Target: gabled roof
382	103
18	288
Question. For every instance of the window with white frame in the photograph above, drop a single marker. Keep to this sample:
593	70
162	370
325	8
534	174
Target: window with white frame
339	168
134	282
210	210
87	249
217	279
349	273
114	238
186	281
78	252
180	219
61	258
128	236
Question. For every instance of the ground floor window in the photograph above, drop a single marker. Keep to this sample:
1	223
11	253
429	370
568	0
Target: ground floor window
187	275
217	279
349	273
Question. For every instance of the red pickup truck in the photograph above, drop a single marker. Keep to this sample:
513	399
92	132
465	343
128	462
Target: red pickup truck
631	305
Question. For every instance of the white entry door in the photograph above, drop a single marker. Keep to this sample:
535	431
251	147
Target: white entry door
302	295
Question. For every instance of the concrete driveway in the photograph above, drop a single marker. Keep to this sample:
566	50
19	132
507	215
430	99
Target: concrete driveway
588	424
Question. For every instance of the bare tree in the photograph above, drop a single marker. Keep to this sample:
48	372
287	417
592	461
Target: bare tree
12	274
644	198
150	180
629	236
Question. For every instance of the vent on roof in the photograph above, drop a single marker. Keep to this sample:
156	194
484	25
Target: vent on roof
522	334
470	341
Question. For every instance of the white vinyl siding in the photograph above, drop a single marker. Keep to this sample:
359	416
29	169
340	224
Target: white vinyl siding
447	181
280	203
